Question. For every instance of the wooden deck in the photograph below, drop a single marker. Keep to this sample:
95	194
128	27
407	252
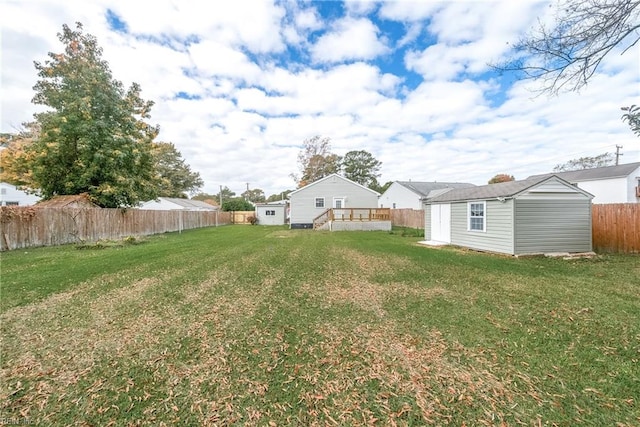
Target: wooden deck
352	215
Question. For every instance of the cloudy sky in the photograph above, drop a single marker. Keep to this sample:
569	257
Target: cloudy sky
238	85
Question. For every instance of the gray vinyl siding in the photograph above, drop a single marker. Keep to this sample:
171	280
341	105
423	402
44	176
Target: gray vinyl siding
427	222
498	236
303	207
553	225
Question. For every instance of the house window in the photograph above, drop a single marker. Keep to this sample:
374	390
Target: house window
3	191
477	215
319	202
394	206
12	203
272	213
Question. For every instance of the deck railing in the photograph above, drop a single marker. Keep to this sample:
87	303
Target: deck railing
352	214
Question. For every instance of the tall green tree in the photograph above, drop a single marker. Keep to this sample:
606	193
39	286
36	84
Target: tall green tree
632	117
176	177
360	166
316	161
236	204
598	161
255	195
93	137
279	196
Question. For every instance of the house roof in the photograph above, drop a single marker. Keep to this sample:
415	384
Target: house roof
606	172
189	204
423	189
77	200
494	191
328	177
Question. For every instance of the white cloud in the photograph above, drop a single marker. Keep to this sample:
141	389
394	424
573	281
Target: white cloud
350	39
256	100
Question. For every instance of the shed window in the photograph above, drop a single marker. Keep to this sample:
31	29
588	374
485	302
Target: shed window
270	213
477	216
319	202
12	204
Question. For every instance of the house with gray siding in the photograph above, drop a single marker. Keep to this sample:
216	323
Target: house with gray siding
331	192
532	216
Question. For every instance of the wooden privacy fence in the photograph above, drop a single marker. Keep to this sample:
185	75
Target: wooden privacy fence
23	227
616	227
412	218
241	217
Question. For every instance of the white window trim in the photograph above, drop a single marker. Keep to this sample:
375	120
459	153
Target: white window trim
484	216
342	199
315	203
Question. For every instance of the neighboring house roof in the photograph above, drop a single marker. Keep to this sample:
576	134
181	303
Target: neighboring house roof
423	189
188	203
606	172
71	201
328	177
495	191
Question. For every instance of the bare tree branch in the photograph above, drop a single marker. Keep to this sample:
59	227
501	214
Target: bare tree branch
565	56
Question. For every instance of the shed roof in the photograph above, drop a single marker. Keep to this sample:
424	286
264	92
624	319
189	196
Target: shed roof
494	191
423	189
606	172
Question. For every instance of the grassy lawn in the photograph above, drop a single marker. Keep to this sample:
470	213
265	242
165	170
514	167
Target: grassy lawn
263	326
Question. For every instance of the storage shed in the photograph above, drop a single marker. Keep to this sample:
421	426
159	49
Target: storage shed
271	213
533	216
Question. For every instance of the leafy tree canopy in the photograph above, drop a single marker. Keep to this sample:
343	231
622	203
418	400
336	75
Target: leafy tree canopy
632	117
175	176
279	196
361	167
236	204
93	138
316	161
601	160
255	196
501	177
16	158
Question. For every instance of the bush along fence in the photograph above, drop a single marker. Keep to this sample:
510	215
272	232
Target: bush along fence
24	227
616	227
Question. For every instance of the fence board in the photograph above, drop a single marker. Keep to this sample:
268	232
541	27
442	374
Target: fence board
616	227
412	218
23	227
241	217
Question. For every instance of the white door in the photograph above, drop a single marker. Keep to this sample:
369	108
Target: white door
441	223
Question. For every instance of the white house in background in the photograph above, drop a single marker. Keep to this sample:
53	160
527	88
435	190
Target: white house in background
173	204
333	191
10	195
409	194
274	213
609	184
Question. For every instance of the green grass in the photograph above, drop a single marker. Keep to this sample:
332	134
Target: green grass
254	325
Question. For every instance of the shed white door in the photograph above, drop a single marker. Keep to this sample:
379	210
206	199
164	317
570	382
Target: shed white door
441	223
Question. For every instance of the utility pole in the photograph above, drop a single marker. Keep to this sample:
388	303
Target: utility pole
220	197
618	153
